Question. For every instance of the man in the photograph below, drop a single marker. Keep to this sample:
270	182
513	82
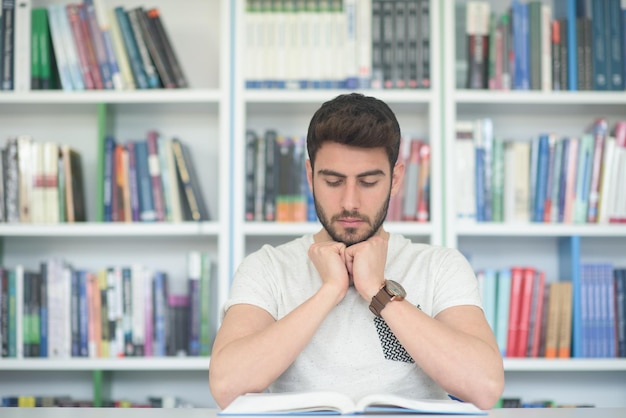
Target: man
318	313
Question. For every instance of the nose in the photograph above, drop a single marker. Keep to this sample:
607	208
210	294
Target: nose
350	199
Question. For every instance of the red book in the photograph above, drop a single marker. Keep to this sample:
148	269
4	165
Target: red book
81	45
517	277
528	280
156	181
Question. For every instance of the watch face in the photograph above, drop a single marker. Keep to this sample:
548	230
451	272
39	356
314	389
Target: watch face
395	289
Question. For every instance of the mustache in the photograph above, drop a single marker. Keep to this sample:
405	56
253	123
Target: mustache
348	214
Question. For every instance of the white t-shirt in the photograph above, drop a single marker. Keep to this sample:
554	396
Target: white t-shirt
353	351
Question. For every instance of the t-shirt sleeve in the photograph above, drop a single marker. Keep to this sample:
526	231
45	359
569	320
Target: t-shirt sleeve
254	284
456	283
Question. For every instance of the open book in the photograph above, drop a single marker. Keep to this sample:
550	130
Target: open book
306	403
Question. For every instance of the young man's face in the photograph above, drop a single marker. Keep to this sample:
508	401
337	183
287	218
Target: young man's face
352	187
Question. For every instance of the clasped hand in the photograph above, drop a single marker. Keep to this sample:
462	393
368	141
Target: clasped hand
362	264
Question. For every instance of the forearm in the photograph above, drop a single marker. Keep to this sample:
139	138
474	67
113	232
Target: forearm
463	364
253	361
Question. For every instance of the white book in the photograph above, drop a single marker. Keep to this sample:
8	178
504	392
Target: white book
25	169
351	69
102	17
298	403
128	82
139	275
176	210
69	45
50	164
292	46
38	192
465	167
22	50
364	43
607	185
59	47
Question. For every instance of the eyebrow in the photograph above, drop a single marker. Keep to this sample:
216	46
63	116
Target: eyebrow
327	172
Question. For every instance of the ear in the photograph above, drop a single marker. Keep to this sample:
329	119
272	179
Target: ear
309	174
397	178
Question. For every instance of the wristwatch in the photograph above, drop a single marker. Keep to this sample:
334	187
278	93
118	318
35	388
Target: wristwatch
389	291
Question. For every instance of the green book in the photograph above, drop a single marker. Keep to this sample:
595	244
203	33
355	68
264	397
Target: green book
497	182
35	64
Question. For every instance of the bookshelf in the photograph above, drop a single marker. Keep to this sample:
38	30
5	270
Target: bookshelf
199	116
522	115
211	117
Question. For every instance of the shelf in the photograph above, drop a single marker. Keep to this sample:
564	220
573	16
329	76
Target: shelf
565	365
122	364
112	96
100	229
541	230
318	96
540	97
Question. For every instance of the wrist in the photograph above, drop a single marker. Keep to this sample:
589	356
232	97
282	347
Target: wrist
334	292
390	291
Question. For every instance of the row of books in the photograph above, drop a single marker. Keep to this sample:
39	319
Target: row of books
514	402
533	317
277	189
84	46
152	179
547	179
41	182
568	45
412	202
57	311
30	401
337	44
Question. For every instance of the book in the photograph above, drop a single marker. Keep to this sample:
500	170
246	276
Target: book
196	209
325	402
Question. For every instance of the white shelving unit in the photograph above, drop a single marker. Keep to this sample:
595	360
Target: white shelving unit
211	117
523	115
289	112
200	117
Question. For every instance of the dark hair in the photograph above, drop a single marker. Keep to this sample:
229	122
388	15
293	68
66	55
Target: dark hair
356	120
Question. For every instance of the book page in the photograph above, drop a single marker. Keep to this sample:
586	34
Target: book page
390	403
290	403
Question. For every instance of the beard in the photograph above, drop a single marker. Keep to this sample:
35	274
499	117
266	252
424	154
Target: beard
351	235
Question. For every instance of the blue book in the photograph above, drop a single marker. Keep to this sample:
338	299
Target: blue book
489	296
502	308
566	9
563	179
75	313
619	277
599	46
109	148
141	80
583	177
541	183
480	184
160	304
614	45
521	76
83	315
609	310
147	213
